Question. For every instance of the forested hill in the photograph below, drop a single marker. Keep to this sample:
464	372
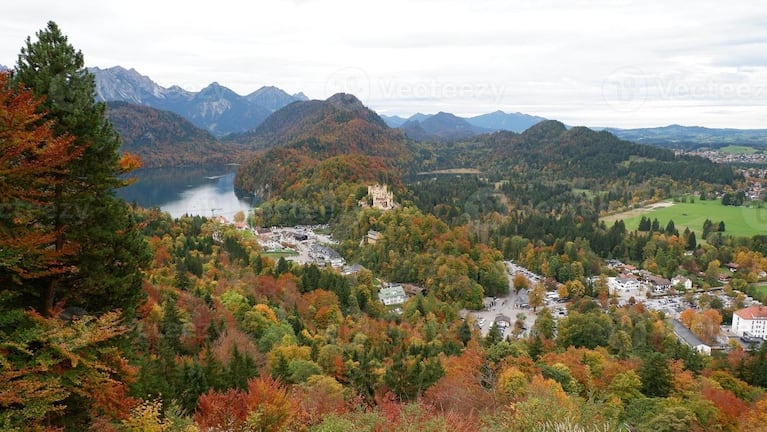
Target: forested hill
550	148
342	118
319	144
162	138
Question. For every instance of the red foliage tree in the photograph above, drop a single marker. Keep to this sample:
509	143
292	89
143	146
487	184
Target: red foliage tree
32	162
729	407
460	391
265	406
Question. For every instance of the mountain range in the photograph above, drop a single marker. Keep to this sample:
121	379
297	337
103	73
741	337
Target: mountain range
448	127
215	108
440	127
234	119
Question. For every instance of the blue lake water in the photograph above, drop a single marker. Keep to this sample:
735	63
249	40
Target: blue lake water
204	190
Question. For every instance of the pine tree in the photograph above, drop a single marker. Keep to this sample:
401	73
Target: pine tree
671	228
242	367
171	326
644	224
464	333
493	335
692	242
193	384
655	226
707	227
85	214
656	375
282	267
257	264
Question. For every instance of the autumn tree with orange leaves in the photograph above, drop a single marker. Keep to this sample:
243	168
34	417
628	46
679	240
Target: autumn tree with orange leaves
705	324
31	162
264	406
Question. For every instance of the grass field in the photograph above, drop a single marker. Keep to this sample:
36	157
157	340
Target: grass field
284	253
737	149
761	290
758	291
588	193
739	221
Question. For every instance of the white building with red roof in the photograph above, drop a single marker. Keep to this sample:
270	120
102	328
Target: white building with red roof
752	320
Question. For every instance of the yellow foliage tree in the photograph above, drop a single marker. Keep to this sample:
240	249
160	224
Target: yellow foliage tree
512	384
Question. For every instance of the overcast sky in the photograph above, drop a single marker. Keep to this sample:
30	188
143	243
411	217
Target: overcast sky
585	62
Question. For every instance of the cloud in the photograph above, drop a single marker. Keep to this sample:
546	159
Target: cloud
550	58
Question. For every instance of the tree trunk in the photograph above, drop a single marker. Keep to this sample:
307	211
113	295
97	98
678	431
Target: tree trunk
49	295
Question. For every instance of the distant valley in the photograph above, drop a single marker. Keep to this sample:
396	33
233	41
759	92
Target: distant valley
693	137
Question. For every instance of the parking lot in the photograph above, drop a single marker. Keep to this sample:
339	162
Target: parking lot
510	306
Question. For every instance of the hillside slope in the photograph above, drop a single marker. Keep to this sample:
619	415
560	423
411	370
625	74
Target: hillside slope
320	145
551	150
162	138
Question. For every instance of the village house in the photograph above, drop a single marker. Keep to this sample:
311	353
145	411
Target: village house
687	337
622	283
392	295
414	290
659	284
502	321
352	269
751	320
682	282
372	237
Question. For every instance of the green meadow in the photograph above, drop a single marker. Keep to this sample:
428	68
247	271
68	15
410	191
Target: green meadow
739	221
761	290
285	253
738	149
758	291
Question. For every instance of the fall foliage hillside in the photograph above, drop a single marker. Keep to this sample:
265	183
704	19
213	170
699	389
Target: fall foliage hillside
322	145
162	138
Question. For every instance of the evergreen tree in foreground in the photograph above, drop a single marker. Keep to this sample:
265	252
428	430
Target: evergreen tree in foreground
104	270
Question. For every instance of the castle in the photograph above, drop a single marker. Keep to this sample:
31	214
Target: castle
381	198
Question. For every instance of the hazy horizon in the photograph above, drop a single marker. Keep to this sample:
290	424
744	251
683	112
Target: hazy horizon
593	63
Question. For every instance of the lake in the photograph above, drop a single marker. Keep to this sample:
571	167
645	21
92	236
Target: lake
200	190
